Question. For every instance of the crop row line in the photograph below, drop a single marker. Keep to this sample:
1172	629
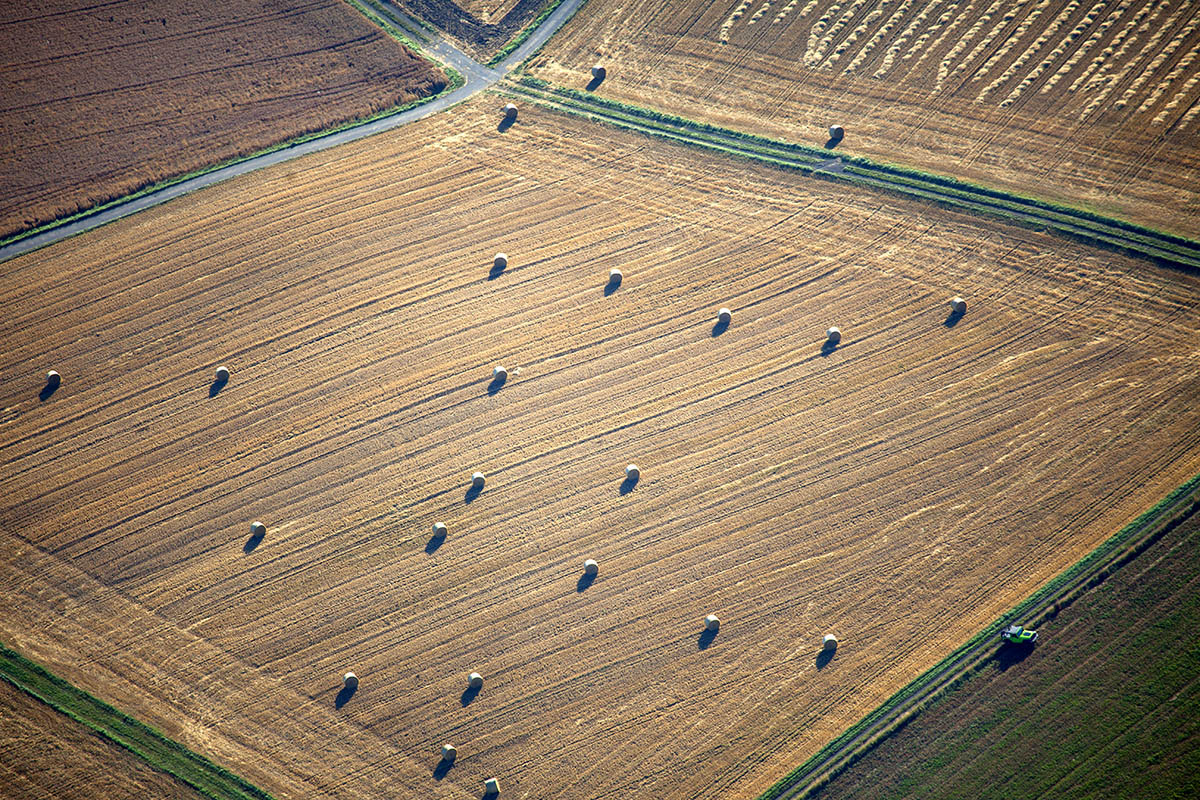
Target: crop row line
160	752
1031	212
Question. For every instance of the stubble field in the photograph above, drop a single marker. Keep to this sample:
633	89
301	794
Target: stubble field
900	491
1090	104
98	101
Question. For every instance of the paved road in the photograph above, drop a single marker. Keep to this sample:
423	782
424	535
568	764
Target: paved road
477	77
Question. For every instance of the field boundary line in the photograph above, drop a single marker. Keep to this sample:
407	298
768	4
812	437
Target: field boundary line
1088	226
154	748
1045	603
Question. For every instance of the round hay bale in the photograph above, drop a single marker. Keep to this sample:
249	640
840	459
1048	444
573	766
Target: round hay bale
449	752
724	315
833	335
510	111
598	71
475	680
958	305
222	374
477	480
491	787
258	529
439	529
711	623
614	275
830	642
499	374
53	378
836	131
632	472
590	567
350	680
500	261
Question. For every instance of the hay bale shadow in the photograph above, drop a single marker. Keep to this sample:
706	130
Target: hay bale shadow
505	124
627	486
585	580
50	388
496	384
216	386
344	696
953	319
496	271
254	541
834	141
434	543
595	82
468	695
827	348
442	768
614	283
490	795
719	328
473	491
706	639
825	656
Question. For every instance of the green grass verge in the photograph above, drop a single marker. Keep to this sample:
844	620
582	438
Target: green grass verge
1018	614
523	34
946	191
454	81
143	741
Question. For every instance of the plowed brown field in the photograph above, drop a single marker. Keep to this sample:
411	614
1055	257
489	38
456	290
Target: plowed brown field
45	755
97	101
1092	104
900	491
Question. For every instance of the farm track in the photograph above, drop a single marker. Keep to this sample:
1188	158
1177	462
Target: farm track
863	737
788	489
827	165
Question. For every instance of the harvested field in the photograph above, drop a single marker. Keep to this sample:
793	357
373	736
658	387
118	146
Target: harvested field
899	491
1108	705
1091	104
481	27
97	101
45	755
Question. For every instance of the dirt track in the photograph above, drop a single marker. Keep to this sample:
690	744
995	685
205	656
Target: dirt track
899	491
1096	105
97	101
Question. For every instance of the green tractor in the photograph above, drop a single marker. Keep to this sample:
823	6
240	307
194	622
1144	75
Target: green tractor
1015	634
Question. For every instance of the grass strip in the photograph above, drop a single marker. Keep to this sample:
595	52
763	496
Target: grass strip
1027	211
1019	613
454	81
523	34
161	753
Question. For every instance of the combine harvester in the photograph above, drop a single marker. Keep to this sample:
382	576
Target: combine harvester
1015	634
